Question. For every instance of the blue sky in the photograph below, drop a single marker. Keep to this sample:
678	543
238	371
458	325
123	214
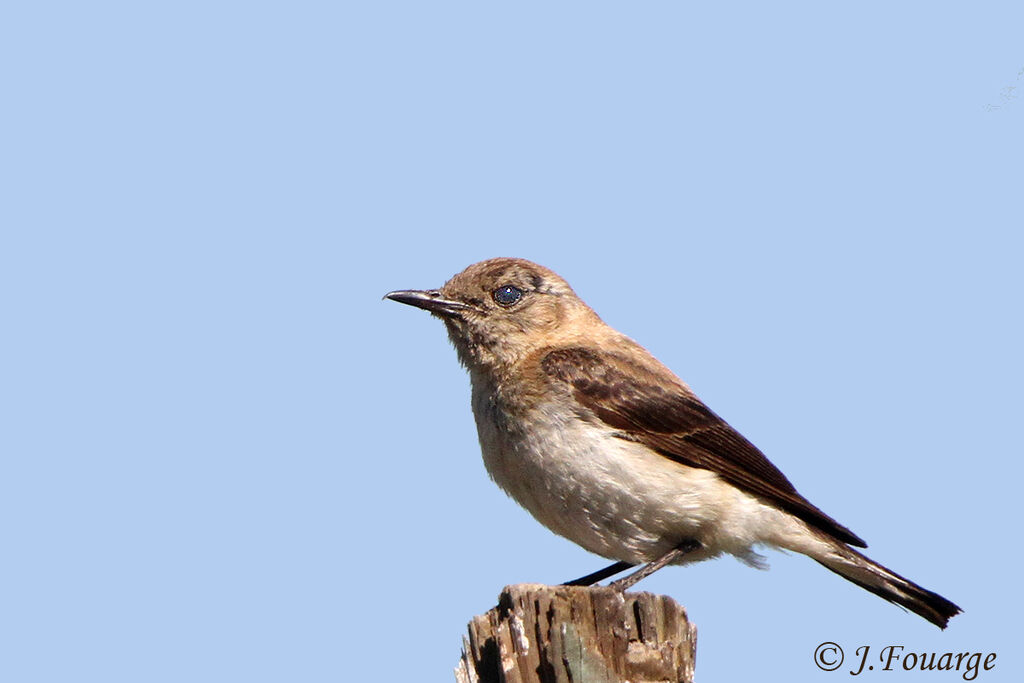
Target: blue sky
225	458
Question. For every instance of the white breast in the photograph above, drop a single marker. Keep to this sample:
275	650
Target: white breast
617	498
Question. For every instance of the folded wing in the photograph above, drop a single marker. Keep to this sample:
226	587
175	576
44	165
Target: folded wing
670	419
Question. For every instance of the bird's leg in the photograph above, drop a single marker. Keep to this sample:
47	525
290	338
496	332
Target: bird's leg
671	556
600	574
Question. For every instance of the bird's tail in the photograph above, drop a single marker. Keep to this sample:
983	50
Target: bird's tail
870	575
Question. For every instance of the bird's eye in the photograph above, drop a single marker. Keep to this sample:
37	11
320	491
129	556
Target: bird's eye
507	295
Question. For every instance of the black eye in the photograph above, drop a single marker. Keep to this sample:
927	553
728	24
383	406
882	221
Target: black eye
507	295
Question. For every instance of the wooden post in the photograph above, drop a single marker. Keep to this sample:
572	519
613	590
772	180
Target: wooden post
563	634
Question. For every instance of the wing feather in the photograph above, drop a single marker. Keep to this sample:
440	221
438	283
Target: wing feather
670	419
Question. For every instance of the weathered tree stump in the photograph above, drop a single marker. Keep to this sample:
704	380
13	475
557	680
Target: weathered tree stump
569	634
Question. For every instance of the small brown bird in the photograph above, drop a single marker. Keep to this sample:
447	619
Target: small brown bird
603	445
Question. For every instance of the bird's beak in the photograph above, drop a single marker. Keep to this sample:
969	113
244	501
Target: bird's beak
428	300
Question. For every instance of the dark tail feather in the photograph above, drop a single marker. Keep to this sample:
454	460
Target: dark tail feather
889	585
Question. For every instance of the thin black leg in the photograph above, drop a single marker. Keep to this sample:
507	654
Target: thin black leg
591	579
671	556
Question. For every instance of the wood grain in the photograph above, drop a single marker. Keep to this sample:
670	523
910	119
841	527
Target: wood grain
569	634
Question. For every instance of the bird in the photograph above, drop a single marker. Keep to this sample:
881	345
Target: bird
607	447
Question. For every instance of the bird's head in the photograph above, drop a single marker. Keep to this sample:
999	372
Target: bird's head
498	311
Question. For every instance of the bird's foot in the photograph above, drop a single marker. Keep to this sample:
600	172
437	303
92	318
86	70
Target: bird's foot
671	556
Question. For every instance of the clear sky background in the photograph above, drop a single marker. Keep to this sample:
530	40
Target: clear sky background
225	458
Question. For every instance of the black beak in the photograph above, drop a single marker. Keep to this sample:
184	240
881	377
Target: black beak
428	300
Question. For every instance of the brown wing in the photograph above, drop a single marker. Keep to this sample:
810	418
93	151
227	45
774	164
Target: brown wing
673	421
